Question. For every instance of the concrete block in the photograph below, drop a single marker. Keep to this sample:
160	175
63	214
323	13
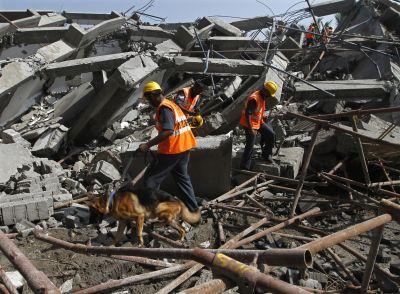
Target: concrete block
16	279
62	197
12	156
10	136
290	160
209	167
269	168
131	115
50	142
55	51
224	28
24	228
212	122
66	287
255	23
218	66
19	207
344	90
43	35
332	7
105	172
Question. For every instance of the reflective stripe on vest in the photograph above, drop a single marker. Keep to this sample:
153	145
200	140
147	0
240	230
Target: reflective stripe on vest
182	138
189	102
257	116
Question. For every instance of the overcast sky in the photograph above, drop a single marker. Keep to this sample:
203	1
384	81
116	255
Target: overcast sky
174	10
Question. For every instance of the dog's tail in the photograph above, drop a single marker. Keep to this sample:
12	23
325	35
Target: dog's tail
190	217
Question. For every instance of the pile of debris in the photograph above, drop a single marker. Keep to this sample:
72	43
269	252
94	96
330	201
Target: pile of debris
323	216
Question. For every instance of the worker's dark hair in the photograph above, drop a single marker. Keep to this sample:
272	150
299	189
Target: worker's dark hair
153	93
199	85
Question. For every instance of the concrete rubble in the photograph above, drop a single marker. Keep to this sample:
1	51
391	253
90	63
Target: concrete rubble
72	118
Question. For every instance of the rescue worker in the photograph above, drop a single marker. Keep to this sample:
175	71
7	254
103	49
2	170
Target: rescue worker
310	38
328	31
174	140
189	98
253	120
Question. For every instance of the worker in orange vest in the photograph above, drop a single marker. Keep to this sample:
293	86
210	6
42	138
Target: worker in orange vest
253	120
175	140
310	37
189	98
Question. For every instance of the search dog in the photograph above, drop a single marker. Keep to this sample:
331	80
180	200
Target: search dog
139	204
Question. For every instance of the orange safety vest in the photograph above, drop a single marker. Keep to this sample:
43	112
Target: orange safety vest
182	138
257	117
308	35
190	102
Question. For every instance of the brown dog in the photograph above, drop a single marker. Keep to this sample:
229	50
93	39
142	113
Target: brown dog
141	204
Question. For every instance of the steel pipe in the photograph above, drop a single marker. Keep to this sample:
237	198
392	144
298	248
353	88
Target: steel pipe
338	237
211	287
37	280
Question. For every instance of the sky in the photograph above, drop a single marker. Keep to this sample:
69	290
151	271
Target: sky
174	10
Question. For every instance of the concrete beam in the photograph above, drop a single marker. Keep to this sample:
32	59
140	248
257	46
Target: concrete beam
219	66
150	34
224	28
344	89
332	7
254	23
113	95
231	43
52	20
90	64
32	20
209	168
86	18
39	35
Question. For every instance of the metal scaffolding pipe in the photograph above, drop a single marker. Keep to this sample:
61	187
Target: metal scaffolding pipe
240	272
211	287
273	257
338	237
37	280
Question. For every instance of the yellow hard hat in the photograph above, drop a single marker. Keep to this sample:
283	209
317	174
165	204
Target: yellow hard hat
196	121
150	87
272	87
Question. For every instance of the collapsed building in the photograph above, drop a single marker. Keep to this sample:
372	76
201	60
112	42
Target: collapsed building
322	217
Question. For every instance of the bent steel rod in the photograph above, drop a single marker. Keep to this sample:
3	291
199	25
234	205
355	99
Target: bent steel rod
338	237
36	279
273	257
357	112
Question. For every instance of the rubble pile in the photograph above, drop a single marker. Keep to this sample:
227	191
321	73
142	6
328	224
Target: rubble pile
321	217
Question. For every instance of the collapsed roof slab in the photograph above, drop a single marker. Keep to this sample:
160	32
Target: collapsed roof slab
231	43
344	89
52	20
218	66
86	18
332	7
39	35
226	29
32	20
111	97
255	23
150	34
90	64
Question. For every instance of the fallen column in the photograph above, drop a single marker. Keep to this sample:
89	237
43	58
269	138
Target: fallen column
31	19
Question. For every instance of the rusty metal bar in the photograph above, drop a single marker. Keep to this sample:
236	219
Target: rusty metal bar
339	262
352	251
361	153
211	287
373	252
235	189
276	227
358	112
4	290
238	272
186	275
69	202
386	175
144	261
273	257
338	237
241	211
338	166
37	280
388	183
304	168
116	284
221	233
255	202
7	282
166	240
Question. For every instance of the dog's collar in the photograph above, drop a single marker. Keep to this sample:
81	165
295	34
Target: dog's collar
110	200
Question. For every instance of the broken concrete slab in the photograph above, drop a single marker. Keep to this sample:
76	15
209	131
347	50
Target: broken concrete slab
290	160
50	142
218	66
233	43
105	172
224	28
10	136
153	34
39	35
209	168
344	89
289	43
115	92
332	7
90	64
12	156
31	20
254	23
